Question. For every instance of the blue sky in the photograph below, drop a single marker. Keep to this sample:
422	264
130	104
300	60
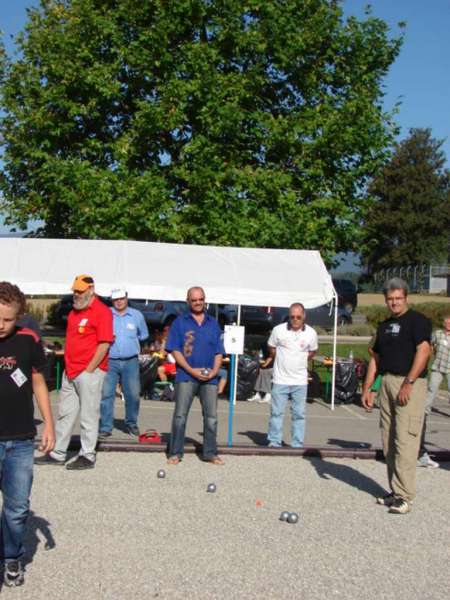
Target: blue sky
420	78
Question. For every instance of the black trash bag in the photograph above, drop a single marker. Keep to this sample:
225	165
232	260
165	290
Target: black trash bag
346	384
314	386
248	368
49	370
148	369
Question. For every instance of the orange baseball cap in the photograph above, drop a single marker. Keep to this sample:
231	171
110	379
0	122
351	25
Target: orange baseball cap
82	283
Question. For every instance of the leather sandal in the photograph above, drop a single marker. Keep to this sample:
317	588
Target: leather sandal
173	460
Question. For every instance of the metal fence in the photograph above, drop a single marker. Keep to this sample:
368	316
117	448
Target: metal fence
420	278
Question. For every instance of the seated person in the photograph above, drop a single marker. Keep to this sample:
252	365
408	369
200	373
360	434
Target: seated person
223	378
168	367
263	383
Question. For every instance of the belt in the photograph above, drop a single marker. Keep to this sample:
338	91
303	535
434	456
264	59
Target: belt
125	358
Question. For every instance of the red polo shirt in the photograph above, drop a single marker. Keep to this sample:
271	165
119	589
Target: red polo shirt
86	329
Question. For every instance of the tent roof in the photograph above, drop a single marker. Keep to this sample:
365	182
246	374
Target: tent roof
250	276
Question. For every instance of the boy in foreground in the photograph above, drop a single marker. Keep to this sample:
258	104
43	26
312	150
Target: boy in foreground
22	360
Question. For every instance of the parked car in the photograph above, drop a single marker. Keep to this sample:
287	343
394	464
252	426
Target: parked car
321	316
261	319
256	319
65	305
347	294
157	313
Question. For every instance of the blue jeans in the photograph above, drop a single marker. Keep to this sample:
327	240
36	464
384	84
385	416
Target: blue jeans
184	394
280	396
125	372
16	478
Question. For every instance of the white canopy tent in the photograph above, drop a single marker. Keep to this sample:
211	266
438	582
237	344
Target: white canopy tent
242	276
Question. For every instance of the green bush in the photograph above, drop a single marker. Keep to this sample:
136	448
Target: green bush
358	329
51	315
435	311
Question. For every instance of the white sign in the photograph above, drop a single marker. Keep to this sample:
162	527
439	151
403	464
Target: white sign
233	340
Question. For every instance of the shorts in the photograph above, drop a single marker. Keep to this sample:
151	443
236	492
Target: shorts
170	368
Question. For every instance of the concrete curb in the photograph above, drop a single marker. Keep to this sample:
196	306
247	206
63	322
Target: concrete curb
250	450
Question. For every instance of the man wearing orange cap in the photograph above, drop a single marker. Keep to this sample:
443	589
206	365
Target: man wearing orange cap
88	338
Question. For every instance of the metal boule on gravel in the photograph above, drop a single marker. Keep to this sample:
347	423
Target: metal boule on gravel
161	474
211	488
284	515
292	518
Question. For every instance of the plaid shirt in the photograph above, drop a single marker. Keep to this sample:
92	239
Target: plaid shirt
441	344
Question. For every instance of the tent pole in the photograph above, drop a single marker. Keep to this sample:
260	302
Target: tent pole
233	387
231	397
237	357
333	372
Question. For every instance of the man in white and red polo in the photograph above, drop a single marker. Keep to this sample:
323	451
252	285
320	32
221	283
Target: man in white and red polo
292	344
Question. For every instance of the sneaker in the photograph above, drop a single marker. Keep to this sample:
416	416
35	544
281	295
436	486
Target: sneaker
400	507
102	435
387	500
132	430
273	445
13	574
80	463
47	459
266	400
255	398
426	461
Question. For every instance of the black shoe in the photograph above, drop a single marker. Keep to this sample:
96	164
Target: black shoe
400	507
46	459
132	430
13	574
387	500
80	463
102	435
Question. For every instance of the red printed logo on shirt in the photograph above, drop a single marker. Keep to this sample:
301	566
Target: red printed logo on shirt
7	363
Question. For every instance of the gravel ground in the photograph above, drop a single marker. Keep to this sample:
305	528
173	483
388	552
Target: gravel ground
120	533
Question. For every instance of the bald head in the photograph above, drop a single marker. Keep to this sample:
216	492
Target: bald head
296	315
196	300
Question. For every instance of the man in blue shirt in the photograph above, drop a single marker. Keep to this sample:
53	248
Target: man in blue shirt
196	344
130	329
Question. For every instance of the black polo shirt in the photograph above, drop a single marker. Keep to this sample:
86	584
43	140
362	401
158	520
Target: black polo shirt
397	340
21	354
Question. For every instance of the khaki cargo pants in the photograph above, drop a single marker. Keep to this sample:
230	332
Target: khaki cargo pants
401	427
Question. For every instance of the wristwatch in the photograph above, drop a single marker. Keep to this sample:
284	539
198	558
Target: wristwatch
410	381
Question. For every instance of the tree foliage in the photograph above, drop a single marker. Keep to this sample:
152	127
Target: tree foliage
230	122
409	220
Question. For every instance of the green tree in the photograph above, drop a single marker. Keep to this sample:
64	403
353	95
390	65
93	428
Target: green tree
230	122
409	219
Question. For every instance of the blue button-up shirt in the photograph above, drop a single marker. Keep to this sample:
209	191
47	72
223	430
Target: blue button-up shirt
199	344
130	328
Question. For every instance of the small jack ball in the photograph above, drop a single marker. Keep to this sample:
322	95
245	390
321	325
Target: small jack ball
284	515
161	474
292	518
211	488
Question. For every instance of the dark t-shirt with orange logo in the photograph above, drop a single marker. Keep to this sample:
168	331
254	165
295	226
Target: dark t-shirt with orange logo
85	330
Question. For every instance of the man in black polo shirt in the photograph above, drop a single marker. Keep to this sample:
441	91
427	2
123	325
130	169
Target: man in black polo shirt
21	362
400	355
